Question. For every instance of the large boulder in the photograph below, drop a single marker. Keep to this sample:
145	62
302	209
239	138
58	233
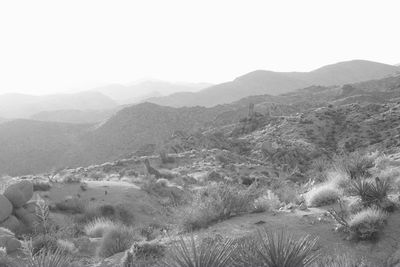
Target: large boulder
12	224
26	217
9	241
19	193
5	208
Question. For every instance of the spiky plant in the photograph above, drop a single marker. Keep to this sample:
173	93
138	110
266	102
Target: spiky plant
284	250
206	254
370	192
115	240
47	258
98	226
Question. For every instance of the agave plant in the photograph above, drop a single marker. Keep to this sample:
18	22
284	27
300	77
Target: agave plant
206	254
284	250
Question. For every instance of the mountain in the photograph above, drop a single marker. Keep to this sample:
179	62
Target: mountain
24	106
35	146
274	83
75	116
137	92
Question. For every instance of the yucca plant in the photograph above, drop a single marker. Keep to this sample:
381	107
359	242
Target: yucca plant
46	258
283	250
214	254
370	192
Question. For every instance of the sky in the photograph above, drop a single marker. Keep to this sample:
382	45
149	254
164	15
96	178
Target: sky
67	45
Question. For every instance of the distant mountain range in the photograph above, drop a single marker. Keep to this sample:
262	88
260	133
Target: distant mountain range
25	106
274	83
137	92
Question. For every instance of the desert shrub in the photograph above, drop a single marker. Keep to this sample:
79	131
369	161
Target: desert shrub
383	162
115	240
356	165
366	224
71	179
40	185
339	179
285	192
322	195
117	213
344	260
277	250
72	205
189	254
266	202
143	254
371	192
99	226
44	242
216	202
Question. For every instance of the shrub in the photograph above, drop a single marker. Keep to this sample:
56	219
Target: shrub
216	202
73	205
267	202
345	260
356	165
322	195
366	224
44	242
71	179
143	254
117	213
99	226
277	250
371	192
115	240
189	254
39	185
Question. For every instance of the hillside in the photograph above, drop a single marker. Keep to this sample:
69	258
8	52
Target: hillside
32	146
147	127
24	106
274	83
75	116
137	92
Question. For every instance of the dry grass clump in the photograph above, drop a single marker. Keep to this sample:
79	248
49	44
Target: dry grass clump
117	213
322	195
216	202
356	164
366	224
72	205
99	226
115	240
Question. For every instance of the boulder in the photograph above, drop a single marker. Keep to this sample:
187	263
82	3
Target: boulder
9	241
31	206
28	218
19	193
5	208
12	224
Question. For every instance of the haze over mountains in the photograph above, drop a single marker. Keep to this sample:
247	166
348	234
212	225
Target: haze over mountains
273	83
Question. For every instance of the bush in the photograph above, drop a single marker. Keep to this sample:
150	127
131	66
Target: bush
189	254
117	213
143	254
345	260
44	242
115	240
366	224
214	203
99	226
356	165
322	195
39	185
277	250
72	205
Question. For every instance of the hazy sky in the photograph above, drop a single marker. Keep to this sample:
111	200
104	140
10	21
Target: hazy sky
52	46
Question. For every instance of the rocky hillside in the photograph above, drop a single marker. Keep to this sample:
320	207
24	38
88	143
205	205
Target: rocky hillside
329	119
